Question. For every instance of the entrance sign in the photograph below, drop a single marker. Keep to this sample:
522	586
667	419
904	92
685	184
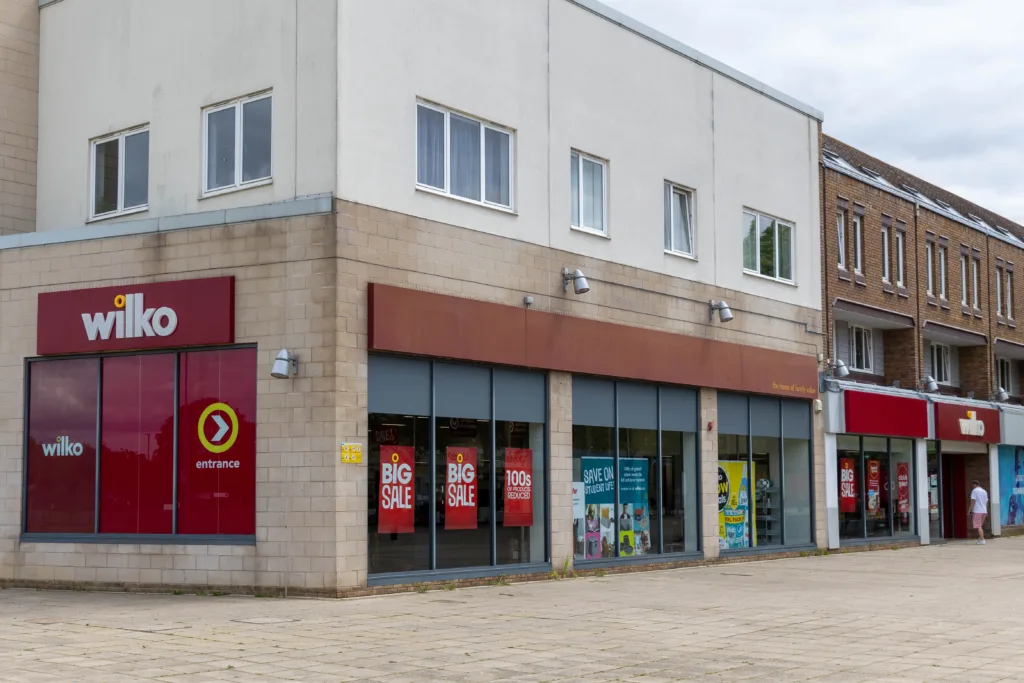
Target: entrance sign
224	438
519	488
847	485
460	491
143	316
395	512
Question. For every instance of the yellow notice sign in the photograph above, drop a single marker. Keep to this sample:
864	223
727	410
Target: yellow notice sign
352	453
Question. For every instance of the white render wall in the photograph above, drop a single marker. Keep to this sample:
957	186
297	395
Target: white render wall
563	77
106	66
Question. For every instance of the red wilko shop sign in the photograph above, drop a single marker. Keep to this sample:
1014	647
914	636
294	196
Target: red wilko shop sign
395	512
518	487
130	317
885	414
966	423
460	489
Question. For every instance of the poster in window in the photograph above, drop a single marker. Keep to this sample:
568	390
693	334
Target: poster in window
847	485
395	512
518	487
635	514
1011	485
874	486
460	491
598	475
903	486
733	505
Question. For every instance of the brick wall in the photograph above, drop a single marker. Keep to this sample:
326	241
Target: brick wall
19	96
902	360
976	371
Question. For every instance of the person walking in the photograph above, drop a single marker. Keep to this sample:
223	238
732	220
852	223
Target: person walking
979	510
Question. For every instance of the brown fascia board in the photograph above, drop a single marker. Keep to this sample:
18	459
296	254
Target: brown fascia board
899	177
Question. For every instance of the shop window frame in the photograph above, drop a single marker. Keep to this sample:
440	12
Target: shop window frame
783	546
660	557
433	573
915	535
173	538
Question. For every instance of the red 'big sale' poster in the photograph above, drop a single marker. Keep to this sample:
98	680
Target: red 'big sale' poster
903	486
395	512
460	490
847	485
518	487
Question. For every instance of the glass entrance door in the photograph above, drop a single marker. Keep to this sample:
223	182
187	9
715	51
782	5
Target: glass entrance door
934	489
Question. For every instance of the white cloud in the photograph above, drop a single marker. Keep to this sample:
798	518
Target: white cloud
931	86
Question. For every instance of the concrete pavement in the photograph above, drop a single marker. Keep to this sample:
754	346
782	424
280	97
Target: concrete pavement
940	613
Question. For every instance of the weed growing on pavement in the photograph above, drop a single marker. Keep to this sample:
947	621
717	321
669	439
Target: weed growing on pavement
600	572
422	588
500	581
449	586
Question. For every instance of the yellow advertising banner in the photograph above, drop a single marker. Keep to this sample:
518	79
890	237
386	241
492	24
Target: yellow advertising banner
733	505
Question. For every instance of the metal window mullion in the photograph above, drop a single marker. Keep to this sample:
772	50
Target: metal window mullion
26	398
941	492
99	443
447	152
891	484
751	497
494	479
547	470
174	444
615	463
433	473
483	164
659	478
864	490
782	474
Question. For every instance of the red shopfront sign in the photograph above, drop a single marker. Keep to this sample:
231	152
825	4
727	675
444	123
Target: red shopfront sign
885	414
131	317
518	487
966	423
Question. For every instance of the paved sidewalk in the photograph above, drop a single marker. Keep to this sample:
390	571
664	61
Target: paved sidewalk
953	612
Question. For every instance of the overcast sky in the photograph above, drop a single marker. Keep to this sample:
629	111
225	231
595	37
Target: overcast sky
935	87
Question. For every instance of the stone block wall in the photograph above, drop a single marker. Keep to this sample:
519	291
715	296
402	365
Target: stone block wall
19	107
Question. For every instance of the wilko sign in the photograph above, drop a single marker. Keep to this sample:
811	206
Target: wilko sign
957	422
519	487
181	313
395	512
62	447
460	491
847	485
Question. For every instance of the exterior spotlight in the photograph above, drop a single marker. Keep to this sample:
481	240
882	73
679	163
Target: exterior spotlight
930	385
840	369
285	365
724	312
1001	395
579	282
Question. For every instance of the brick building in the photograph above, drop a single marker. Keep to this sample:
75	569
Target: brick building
293	324
919	297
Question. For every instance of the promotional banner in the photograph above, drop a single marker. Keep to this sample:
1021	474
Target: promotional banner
598	474
518	487
1011	485
903	487
460	499
733	505
395	512
847	485
634	507
874	468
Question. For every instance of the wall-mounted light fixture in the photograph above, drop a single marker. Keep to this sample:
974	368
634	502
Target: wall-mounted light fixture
285	365
724	312
579	282
834	369
1001	395
929	384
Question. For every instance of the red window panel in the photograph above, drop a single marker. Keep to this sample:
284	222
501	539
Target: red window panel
61	476
137	457
217	442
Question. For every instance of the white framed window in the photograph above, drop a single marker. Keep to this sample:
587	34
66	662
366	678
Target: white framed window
1004	380
861	348
885	254
858	244
940	363
237	144
841	235
929	269
464	157
119	177
589	182
963	279
942	272
1009	294
679	220
999	291
974	283
900	268
768	246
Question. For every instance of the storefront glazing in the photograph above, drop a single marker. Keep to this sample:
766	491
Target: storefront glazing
876	487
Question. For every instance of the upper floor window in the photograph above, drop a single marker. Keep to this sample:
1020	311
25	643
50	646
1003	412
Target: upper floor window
1004	379
237	144
678	220
767	246
858	243
999	290
940	363
942	272
963	279
589	182
841	236
929	267
975	265
885	253
463	157
900	267
120	174
1009	294
861	351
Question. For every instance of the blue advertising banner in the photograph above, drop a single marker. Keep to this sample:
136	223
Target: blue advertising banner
1011	485
634	515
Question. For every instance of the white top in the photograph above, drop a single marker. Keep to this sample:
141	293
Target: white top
980	498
